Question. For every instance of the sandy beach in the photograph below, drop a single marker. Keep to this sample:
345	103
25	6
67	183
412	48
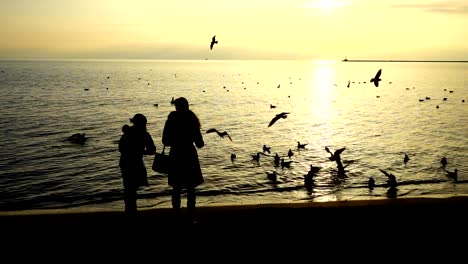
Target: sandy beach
398	227
362	216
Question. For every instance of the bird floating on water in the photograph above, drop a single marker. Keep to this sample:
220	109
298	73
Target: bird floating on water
78	138
221	134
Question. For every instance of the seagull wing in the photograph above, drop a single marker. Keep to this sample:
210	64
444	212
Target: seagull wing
377	76
384	172
211	130
228	136
213	41
274	120
339	151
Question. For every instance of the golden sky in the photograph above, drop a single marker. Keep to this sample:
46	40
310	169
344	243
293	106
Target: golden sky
245	29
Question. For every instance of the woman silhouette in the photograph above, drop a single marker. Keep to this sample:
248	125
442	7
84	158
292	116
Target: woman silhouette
133	144
181	131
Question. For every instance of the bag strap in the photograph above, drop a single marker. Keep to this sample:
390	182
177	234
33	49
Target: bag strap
164	147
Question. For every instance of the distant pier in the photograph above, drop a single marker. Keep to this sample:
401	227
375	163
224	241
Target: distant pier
453	61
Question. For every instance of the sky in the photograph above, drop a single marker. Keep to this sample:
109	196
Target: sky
245	29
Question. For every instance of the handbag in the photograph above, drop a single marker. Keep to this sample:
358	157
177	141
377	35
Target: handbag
161	162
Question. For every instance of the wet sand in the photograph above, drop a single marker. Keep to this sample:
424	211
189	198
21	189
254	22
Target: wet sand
360	214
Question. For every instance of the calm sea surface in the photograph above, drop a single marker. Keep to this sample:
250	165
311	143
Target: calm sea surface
42	103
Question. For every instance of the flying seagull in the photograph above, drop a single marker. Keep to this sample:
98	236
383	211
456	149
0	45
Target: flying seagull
377	79
213	41
277	117
221	134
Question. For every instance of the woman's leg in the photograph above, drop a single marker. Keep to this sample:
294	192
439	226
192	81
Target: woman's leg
176	201
130	200
130	195
191	201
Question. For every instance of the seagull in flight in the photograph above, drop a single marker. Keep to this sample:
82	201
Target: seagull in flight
336	154
391	182
377	79
221	134
283	115
213	41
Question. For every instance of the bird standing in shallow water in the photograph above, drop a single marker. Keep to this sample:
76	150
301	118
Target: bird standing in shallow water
266	149
213	41
371	183
272	176
452	174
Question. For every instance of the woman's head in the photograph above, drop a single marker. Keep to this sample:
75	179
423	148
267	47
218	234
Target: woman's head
139	120
181	104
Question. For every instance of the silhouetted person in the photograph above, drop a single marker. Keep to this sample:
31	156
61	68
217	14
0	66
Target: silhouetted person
181	131
133	145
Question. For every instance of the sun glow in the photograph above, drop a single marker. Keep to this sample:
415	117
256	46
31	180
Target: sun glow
325	5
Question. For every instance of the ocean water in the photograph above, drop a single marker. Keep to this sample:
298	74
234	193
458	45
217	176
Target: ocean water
43	102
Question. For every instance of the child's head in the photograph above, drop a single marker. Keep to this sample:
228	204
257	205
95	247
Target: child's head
125	128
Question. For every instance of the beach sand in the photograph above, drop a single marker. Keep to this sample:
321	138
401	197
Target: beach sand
377	221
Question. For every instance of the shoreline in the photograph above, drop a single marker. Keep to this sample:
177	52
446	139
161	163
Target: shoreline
240	214
445	61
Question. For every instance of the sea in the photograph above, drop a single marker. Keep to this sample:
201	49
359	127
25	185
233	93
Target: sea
418	109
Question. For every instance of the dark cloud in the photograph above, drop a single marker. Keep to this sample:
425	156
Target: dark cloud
454	7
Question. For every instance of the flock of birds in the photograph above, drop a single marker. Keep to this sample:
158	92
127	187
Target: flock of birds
309	181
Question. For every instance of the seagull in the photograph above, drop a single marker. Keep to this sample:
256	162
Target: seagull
266	149
376	79
213	41
443	161
272	176
313	169
406	159
371	183
452	174
335	155
286	164
391	182
283	115
256	157
299	145
78	138
221	134
290	153
233	156
277	160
